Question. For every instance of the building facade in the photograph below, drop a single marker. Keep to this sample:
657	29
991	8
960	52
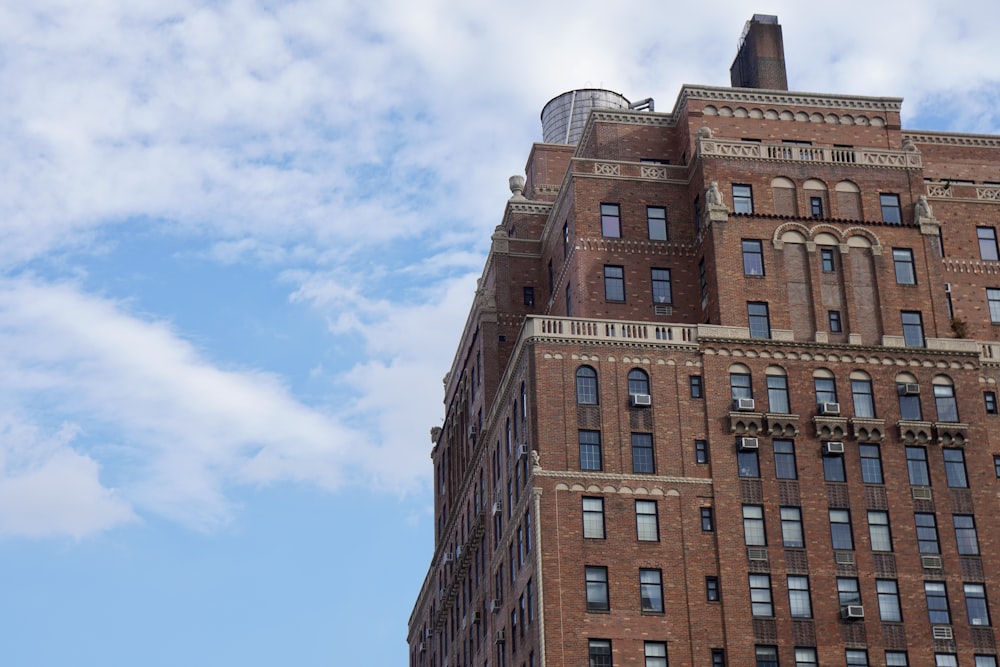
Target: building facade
727	393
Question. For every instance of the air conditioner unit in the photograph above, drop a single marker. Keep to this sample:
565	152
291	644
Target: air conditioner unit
641	400
448	557
830	409
744	404
852	611
833	448
909	389
497	508
921	493
458	551
473	431
757	553
522	451
476	617
498	638
428	633
421	647
747	444
494	606
931	562
843	557
942	632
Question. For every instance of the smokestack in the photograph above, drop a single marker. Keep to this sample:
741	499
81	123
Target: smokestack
760	59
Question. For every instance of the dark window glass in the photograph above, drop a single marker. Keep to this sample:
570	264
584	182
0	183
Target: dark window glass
954	468
760	595
656	218
600	652
864	399
748	463
816	209
909	402
784	459
586	385
840	530
753	257
987	243
937	602
777	394
826	389
651	590
871	463
990	402
638	382
718	657
890	208
902	260
614	283
833	318
760	320
847	591
593	518
767	656
916	466
701	451
712	592
742	199
597	588
642	453
888	601
826	260
565	239
913	328
944	401
927	535
529	296
833	469
590	450
707	520
965	535
975	604
697	390
611	222
791	527
661	286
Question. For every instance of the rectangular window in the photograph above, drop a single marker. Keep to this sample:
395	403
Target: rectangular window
767	656
593	518
896	659
986	661
791	527
739	386
661	286
777	394
712	591
856	657
656	654
945	660
965	535
826	260
805	657
707	519
651	590
826	389
840	530
760	320
753	257
902	260
878	531
975	604
529	296
888	600
697	390
742	199
848	592
753	526
909	401
890	208
748	463
718	657
600	652
703	282
864	399
569	302
993	301
833	319
784	459
833	469
565	239
927	535
798	597
647	525
656	219
944	403
954	468
590	450
760	595
987	243
871	464
611	221
701	451
597	588
990	402
913	328
916	466
816	209
642	453
937	602
614	283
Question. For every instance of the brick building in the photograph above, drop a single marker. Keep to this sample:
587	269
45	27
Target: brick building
727	394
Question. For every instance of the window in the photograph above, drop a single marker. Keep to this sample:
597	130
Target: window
569	302
990	402
777	394
975	604
965	535
805	657
593	518
871	463
597	588
767	656
913	328
864	399
816	209
826	387
987	243
890	208
638	382
642	453
888	600
647	525
712	591
739	383
944	400
600	652
586	385
718	657
896	659
902	260
954	468
614	283
656	654
784	459
590	450
927	535
916	466
878	531
945	660
661	286
833	319
703	282
753	526
791	527
826	261
847	591
611	221
840	530
742	199
701	451
760	595
697	389
748	463
656	219
798	597
856	657
833	469
937	602
529	296
753	257
993	301
760	320
707	520
986	661
909	398
565	239
651	590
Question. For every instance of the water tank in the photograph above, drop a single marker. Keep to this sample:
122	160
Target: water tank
564	116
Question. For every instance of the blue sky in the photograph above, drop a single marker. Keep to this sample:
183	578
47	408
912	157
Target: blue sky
237	244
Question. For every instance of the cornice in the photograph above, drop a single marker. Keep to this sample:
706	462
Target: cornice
953	139
788	99
626	483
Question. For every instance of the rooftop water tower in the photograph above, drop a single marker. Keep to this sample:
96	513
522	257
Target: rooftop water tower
564	116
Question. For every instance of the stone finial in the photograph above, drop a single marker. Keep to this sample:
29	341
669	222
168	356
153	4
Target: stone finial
909	146
704	133
516	186
923	208
712	196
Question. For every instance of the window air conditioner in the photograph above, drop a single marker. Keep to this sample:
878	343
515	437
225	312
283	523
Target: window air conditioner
497	508
421	647
494	606
476	617
852	611
641	400
830	409
522	451
833	448
744	404
499	637
931	562
910	389
747	444
942	632
473	431
448	557
458	551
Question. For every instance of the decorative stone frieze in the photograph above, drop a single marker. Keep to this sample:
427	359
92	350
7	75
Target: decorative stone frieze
830	428
914	432
746	423
782	425
868	430
951	434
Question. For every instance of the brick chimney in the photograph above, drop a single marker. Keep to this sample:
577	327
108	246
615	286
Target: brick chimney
760	60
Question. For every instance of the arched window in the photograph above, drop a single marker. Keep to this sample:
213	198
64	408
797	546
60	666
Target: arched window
861	392
638	382
848	200
783	191
816	197
944	399
825	384
909	397
586	385
777	390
